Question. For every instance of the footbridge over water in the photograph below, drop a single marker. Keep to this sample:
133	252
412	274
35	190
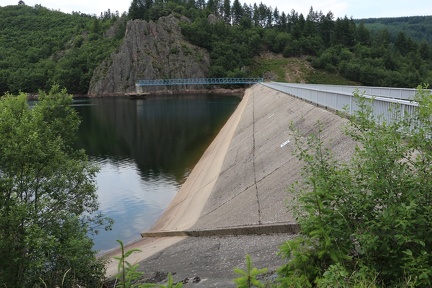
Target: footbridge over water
199	81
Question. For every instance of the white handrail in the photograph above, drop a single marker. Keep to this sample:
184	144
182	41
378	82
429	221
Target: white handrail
340	98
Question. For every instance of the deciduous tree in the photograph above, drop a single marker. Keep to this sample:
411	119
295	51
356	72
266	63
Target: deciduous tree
47	196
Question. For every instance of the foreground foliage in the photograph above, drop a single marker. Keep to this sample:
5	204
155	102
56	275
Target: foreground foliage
248	276
128	275
47	196
366	222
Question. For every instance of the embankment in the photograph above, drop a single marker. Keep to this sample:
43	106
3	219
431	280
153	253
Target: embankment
240	184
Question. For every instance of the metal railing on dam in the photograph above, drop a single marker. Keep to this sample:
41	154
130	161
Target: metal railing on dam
198	81
341	98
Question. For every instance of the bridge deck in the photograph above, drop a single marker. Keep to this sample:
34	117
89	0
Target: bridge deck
198	81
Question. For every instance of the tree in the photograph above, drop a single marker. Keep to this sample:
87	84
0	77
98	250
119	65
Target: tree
292	18
200	4
363	35
283	21
191	4
227	11
383	38
256	15
311	23
425	50
136	10
405	44
246	19
327	28
237	12
344	32
212	6
47	196
276	17
265	15
368	218
298	27
249	275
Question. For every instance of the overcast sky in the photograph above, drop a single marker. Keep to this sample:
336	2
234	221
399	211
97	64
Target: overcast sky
340	8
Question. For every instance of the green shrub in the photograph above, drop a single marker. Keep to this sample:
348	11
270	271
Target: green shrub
48	199
128	275
248	277
369	217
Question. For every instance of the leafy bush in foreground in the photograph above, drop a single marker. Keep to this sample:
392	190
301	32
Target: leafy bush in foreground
366	222
47	196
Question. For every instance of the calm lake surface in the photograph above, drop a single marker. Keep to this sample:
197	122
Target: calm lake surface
145	149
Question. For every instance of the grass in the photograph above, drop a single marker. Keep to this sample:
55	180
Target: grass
274	67
324	77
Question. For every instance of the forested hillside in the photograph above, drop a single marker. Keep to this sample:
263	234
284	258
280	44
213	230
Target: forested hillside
335	45
416	27
239	32
40	46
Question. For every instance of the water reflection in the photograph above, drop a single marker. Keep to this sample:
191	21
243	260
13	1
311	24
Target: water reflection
146	149
134	204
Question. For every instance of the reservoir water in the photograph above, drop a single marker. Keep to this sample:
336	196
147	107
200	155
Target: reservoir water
145	149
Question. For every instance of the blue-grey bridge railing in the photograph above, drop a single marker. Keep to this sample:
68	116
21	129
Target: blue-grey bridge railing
340	98
198	81
386	92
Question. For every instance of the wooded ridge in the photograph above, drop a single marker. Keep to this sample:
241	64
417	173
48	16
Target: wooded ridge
41	46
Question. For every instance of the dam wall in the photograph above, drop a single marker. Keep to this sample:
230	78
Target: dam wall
242	180
239	187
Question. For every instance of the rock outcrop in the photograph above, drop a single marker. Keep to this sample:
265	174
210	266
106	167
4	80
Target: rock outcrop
151	50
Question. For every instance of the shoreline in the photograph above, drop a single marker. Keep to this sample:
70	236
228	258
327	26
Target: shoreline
193	193
222	91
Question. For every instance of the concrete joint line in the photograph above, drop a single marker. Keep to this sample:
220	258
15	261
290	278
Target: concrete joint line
288	228
205	185
253	157
276	169
193	191
229	200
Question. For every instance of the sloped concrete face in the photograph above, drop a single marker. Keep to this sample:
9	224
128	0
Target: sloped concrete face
240	187
260	165
238	211
243	178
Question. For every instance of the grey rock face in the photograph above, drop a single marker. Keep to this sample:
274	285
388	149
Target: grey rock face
151	50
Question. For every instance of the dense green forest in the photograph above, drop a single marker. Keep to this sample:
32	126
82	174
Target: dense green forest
416	27
335	45
41	46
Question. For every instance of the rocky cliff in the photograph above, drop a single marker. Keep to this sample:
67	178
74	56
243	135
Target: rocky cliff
151	50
